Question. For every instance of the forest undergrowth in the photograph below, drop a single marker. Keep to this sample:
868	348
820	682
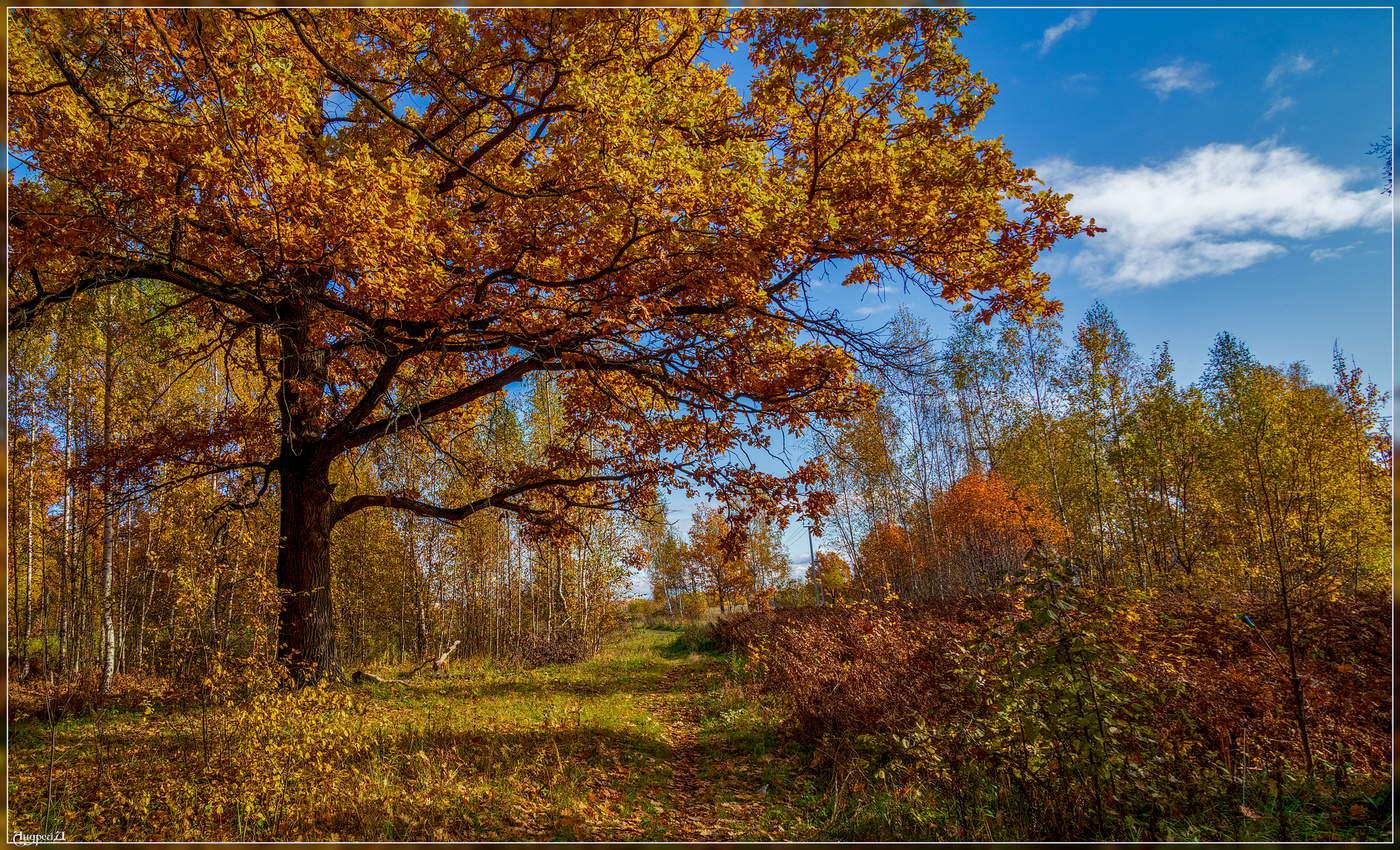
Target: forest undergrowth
650	739
672	733
1056	711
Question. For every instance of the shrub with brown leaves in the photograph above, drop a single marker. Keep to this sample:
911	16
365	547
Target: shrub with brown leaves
536	650
1215	684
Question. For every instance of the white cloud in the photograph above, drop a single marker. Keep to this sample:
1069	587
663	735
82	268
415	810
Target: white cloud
1178	75
1294	64
1319	254
1212	210
1082	82
1076	21
1280	104
869	310
1288	65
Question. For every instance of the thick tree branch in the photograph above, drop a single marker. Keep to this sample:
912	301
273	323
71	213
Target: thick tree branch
77	86
501	499
372	395
23	315
436	407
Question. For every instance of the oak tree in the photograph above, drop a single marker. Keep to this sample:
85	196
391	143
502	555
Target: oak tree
383	219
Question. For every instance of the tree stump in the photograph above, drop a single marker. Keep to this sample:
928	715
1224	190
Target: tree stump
440	665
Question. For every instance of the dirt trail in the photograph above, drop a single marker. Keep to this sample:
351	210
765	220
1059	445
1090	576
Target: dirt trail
717	790
691	811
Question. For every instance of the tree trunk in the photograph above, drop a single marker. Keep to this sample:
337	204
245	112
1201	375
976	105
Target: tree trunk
13	615
109	519
66	565
420	632
418	584
440	664
1276	523
43	607
146	597
28	573
124	612
1300	712
306	630
402	632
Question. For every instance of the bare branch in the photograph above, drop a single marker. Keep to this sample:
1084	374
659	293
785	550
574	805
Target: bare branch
500	500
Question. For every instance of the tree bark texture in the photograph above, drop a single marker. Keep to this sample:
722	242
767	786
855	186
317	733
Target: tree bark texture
306	627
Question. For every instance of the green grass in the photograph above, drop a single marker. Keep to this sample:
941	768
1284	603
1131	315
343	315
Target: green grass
690	639
654	739
578	751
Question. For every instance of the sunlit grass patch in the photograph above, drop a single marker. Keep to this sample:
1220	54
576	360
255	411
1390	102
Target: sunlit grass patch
487	751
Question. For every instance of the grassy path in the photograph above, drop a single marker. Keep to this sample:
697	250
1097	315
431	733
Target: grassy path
647	741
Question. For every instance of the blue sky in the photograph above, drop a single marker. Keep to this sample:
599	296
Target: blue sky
1226	152
1244	131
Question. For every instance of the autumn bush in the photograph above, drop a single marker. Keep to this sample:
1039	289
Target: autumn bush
1080	711
856	666
985	525
566	647
238	753
79	694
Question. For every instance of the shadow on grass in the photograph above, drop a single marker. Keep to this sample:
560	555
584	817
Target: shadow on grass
606	686
692	639
595	678
508	751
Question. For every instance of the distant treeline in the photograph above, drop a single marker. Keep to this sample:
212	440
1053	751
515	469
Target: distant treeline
998	437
